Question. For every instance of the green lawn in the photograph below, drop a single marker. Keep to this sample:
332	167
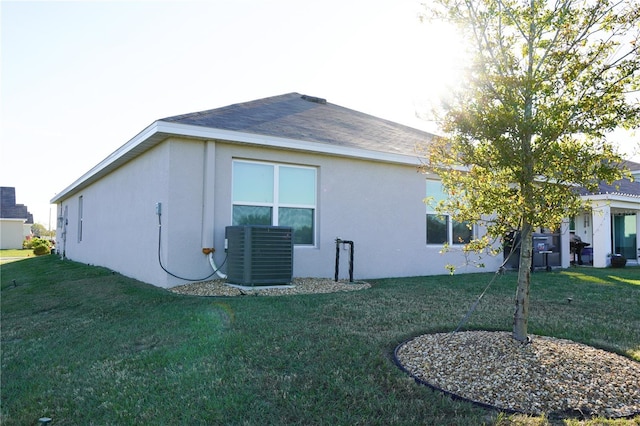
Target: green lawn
12	255
83	345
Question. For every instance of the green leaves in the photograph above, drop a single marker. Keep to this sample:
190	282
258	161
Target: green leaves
547	82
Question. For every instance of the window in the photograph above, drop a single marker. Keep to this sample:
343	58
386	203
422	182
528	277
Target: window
441	229
80	213
275	194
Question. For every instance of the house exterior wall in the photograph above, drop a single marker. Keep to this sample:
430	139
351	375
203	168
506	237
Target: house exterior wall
184	225
119	225
11	233
376	205
584	227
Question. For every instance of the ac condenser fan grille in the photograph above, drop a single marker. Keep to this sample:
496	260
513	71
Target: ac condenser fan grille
259	255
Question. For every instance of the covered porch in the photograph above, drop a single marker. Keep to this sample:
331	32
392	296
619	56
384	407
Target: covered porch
610	228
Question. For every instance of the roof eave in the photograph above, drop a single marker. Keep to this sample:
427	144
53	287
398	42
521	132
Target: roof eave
14	219
144	140
612	197
161	130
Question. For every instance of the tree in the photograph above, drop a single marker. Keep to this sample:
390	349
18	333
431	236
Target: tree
39	230
547	81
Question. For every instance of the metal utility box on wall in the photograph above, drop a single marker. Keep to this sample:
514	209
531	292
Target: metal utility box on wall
259	255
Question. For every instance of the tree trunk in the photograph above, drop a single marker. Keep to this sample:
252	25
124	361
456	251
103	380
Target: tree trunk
521	315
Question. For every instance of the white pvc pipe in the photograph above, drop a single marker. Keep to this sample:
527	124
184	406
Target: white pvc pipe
215	268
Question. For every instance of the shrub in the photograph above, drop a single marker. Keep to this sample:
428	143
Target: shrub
27	243
40	246
40	250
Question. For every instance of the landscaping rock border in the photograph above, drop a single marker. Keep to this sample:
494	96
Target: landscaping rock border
556	377
299	286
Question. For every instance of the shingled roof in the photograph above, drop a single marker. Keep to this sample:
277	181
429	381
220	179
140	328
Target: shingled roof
291	121
310	119
623	187
8	207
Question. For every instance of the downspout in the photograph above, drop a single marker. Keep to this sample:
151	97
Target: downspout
208	194
208	203
65	222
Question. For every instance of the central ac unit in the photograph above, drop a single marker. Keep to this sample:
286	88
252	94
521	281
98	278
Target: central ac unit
259	255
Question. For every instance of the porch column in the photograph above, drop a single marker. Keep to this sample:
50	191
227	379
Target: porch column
601	220
565	248
638	236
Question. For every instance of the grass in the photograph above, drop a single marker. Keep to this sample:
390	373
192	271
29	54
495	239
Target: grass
11	255
83	345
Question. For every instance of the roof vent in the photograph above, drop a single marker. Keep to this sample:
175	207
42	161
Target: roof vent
314	99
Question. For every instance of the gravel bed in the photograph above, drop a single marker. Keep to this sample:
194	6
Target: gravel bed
299	286
557	377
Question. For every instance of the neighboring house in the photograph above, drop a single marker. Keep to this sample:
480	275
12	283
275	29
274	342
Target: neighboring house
294	160
612	224
15	220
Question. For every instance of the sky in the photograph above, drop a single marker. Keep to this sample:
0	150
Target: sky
78	79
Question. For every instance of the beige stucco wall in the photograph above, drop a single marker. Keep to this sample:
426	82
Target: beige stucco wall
377	205
11	233
119	222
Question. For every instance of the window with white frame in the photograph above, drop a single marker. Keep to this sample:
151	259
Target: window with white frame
441	229
275	194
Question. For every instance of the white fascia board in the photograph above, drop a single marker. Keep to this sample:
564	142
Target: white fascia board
614	200
12	219
112	159
160	130
615	196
